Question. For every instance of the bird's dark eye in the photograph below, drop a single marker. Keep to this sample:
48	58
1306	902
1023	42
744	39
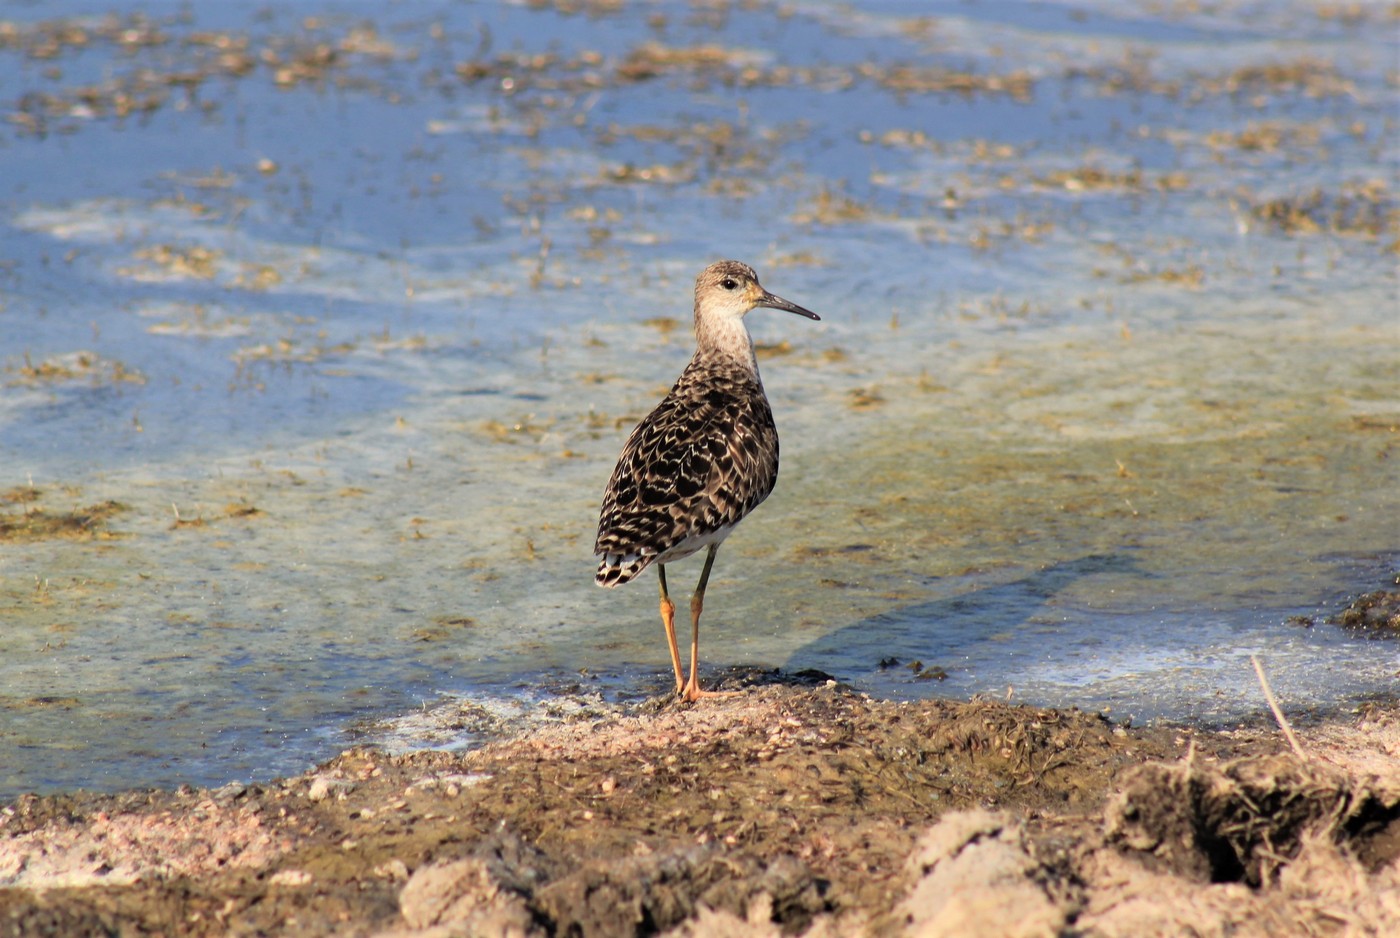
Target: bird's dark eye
728	283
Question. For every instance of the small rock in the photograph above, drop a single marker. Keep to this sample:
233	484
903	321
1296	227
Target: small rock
290	878
971	868
394	869
230	791
464	894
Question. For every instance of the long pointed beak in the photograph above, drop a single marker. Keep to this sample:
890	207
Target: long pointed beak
777	302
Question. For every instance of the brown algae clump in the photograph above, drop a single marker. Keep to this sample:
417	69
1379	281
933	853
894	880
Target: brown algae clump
34	523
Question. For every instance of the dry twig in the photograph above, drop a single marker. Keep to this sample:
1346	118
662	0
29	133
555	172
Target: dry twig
1273	705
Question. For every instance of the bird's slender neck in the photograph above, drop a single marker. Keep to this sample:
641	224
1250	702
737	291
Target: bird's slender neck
725	338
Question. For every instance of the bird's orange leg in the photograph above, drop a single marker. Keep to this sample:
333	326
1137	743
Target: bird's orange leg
692	691
668	619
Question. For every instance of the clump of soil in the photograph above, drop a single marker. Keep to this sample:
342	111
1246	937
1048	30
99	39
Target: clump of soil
786	810
1376	614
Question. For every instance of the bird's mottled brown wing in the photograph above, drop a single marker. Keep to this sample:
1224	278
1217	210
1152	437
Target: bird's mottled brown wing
702	460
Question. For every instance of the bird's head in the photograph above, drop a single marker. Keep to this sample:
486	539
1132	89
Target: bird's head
729	289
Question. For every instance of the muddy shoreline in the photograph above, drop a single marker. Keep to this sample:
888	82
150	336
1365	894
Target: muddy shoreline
788	809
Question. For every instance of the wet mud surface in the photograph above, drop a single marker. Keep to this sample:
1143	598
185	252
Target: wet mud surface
786	809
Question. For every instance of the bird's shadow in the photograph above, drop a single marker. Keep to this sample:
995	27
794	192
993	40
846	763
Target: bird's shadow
921	644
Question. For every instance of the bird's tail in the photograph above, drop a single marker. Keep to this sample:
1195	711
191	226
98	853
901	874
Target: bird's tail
616	569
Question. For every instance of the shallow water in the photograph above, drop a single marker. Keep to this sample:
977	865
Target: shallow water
1103	395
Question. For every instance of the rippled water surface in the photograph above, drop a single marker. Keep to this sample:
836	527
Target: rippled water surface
321	325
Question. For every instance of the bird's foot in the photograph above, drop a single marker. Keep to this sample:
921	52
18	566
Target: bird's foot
692	692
